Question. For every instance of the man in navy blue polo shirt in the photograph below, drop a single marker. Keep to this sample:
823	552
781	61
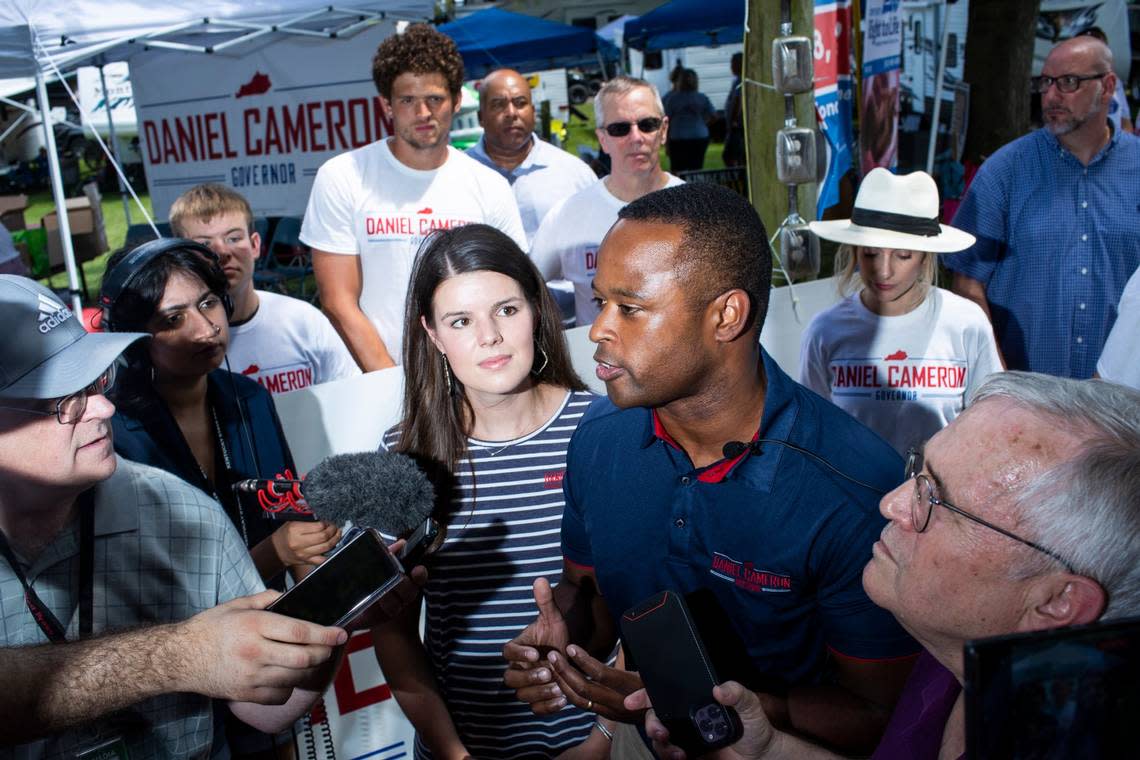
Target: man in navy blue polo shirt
776	534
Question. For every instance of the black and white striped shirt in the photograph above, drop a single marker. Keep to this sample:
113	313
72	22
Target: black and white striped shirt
503	534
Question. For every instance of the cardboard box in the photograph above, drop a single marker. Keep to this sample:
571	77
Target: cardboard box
12	211
88	237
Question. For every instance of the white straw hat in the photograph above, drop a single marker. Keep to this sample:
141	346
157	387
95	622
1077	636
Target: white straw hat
896	211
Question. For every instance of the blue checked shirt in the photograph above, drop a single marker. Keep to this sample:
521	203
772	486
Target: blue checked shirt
1057	241
164	551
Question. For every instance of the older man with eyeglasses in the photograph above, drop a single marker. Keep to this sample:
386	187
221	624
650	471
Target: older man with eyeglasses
1022	515
1056	219
127	598
632	127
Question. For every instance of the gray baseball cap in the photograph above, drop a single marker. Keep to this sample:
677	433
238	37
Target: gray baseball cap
45	352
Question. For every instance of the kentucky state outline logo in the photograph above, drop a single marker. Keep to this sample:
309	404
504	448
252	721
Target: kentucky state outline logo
746	576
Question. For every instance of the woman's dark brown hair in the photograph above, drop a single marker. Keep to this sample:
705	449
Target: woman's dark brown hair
437	417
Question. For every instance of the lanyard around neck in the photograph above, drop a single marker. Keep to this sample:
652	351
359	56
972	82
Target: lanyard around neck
45	619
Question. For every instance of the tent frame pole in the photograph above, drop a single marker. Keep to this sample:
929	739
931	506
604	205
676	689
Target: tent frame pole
114	143
58	195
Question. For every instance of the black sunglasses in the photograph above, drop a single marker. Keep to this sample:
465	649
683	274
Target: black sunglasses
648	125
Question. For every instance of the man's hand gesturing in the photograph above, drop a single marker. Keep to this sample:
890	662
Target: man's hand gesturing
528	672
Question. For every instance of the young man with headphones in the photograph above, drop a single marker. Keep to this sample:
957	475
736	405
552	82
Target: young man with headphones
283	343
141	567
708	471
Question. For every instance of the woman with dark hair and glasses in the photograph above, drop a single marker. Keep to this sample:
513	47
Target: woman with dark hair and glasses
490	403
178	410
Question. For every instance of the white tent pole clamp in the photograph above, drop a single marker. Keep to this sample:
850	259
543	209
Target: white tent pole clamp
58	196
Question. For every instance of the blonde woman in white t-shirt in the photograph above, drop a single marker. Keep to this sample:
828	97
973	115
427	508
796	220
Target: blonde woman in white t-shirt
898	353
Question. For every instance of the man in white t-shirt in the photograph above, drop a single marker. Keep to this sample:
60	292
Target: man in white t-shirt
540	174
631	128
371	208
281	342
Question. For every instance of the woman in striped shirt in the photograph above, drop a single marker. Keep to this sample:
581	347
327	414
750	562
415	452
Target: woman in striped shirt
491	400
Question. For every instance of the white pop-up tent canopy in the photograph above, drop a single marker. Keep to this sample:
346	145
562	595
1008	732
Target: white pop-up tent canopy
40	39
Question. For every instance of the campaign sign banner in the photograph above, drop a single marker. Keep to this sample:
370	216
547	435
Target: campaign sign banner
833	94
261	122
879	105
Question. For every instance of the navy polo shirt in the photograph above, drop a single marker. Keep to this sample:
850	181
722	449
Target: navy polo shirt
779	541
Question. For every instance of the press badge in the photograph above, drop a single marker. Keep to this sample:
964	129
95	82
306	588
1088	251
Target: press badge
112	749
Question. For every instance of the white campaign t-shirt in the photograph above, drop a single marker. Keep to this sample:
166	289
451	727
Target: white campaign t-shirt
566	244
905	377
1120	358
288	344
367	203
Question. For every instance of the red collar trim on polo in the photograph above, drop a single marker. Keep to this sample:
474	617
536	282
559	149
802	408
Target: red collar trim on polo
714	473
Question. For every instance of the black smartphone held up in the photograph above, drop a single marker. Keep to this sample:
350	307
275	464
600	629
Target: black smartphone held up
667	651
420	543
345	584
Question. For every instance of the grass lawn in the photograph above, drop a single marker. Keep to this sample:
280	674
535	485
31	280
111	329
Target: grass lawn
114	221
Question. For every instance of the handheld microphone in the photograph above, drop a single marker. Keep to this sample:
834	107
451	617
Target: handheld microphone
277	485
375	489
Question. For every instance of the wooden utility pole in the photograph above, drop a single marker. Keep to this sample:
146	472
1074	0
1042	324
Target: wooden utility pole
764	110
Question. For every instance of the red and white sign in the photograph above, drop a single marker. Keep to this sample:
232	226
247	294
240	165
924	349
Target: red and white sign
261	123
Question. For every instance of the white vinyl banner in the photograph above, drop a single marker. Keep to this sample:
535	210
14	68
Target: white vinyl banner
261	122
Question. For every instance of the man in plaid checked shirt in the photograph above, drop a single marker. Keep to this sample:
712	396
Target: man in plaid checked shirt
128	602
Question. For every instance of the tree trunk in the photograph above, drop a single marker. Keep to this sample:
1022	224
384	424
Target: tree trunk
999	58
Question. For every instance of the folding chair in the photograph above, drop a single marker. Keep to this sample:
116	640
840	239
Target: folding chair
288	255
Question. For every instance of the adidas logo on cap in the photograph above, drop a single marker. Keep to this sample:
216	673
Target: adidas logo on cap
52	314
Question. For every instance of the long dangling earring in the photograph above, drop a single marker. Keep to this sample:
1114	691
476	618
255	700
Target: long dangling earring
545	359
447	374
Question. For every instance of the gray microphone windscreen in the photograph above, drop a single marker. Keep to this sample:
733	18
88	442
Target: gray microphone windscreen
373	489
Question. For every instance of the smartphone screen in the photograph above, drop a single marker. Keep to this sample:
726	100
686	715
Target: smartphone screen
338	589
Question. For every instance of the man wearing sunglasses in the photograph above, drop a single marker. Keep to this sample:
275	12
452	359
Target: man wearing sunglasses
1022	515
90	544
1056	221
632	128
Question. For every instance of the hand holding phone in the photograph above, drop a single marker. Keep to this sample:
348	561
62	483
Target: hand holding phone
423	541
659	636
345	585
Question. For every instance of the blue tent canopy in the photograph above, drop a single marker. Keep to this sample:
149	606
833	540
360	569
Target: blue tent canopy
494	38
687	23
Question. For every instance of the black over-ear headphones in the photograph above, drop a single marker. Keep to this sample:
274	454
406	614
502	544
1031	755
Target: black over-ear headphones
125	271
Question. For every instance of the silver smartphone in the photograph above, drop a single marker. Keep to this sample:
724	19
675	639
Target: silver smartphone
346	584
